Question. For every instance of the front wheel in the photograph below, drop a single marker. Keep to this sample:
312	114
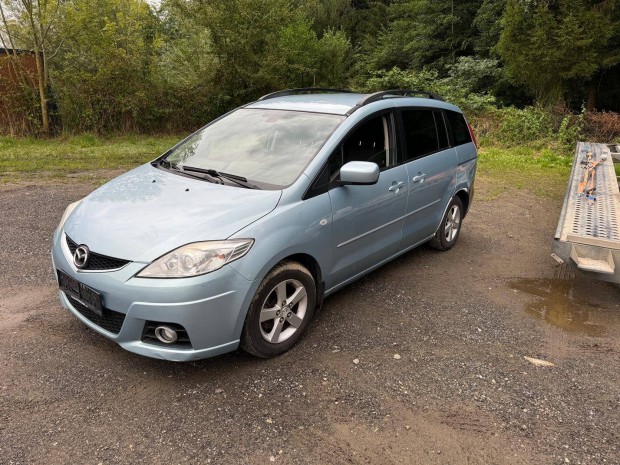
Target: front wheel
280	311
450	227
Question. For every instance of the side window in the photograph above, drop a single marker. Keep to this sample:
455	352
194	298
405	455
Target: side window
369	142
420	133
458	126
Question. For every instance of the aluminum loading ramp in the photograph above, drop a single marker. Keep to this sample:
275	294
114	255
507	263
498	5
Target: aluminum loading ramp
588	233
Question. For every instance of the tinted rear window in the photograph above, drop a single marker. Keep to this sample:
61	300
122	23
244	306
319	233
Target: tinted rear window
420	133
458	126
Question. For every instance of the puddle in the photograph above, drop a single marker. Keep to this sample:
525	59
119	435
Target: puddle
559	305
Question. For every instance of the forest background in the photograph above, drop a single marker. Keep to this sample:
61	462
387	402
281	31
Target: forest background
537	73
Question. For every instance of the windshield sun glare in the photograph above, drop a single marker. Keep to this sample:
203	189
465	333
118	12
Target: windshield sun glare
265	146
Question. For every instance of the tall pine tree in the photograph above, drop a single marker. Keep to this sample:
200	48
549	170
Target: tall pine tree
547	43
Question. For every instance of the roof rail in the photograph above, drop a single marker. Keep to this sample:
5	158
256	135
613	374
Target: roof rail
397	93
394	93
301	90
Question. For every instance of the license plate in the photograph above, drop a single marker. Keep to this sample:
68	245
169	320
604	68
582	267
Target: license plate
84	294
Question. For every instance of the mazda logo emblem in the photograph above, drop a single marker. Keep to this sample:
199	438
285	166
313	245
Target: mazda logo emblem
81	257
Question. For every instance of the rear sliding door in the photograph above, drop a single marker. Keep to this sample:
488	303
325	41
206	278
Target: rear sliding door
431	167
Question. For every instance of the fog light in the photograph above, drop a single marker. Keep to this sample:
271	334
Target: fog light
166	334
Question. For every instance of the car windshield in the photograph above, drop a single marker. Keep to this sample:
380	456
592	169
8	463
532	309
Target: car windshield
268	147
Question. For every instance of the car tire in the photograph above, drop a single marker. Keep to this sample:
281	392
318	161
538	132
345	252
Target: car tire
280	311
450	226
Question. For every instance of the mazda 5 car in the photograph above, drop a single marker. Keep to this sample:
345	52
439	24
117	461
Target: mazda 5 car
234	236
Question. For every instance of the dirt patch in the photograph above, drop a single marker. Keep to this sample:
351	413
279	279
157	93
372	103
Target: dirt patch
459	392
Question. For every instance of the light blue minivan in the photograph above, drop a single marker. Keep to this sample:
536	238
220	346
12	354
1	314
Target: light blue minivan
235	235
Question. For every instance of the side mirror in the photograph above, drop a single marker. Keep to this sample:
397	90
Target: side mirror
359	173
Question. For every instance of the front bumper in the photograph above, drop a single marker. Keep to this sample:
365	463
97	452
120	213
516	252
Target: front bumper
211	307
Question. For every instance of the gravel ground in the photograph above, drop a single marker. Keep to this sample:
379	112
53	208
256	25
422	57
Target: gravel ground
439	338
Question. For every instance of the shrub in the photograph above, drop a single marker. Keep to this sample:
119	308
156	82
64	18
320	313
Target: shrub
519	127
429	80
602	126
557	127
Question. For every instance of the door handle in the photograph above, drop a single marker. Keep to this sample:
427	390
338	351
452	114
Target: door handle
419	178
395	187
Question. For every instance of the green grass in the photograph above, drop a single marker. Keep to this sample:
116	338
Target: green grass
540	170
536	168
29	158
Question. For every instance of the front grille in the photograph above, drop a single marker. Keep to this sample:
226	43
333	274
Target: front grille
97	261
110	321
148	335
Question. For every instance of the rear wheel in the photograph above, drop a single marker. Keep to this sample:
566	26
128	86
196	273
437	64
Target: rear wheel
450	227
280	311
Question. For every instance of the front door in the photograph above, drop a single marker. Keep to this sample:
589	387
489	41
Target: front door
367	220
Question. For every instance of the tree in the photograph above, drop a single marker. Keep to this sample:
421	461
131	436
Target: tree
105	74
257	46
547	43
489	27
30	23
426	33
360	20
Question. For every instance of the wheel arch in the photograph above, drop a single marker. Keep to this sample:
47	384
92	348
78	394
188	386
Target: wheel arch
314	268
307	261
464	196
296	261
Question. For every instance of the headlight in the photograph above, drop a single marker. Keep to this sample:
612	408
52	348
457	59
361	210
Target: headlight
197	258
67	212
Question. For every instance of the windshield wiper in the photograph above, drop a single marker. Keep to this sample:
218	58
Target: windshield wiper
166	164
240	180
214	175
180	168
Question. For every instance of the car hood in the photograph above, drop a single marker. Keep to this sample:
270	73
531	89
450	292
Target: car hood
148	212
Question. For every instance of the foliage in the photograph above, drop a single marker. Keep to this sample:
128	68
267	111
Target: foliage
425	32
457	88
361	21
602	126
31	25
489	27
547	43
535	127
126	66
519	127
185	76
571	130
103	75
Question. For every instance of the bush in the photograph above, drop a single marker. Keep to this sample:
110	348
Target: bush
557	128
602	126
518	127
429	80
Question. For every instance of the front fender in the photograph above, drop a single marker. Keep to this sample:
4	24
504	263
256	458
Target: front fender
299	227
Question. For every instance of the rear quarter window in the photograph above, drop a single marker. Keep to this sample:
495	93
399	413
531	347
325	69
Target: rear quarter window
458	127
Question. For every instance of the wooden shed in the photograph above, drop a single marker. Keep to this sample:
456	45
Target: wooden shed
18	73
